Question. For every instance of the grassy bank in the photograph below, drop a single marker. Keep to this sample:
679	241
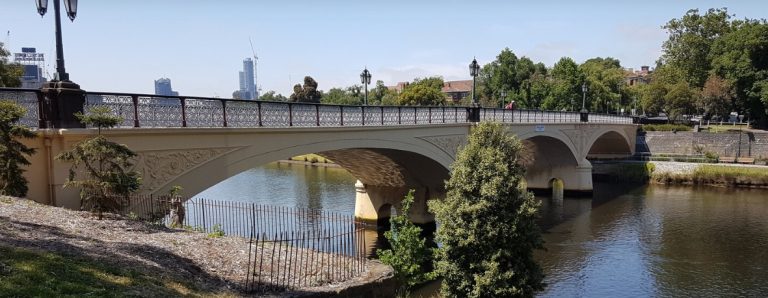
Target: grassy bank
629	172
717	175
29	273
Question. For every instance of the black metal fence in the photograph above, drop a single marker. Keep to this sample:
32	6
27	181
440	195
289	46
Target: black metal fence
147	110
288	248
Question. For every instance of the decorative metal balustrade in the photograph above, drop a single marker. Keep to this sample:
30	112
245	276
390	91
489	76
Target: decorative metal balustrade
146	110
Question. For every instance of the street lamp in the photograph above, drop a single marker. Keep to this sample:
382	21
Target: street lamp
503	97
63	97
365	78
584	114
474	69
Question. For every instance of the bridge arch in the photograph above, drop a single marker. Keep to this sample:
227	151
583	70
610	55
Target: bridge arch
609	142
557	158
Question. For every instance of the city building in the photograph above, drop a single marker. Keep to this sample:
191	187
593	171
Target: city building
32	62
633	77
247	81
163	87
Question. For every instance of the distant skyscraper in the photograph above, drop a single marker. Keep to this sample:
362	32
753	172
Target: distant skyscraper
32	63
247	84
163	87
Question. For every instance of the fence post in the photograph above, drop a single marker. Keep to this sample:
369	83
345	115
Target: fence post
183	111
382	115
224	111
317	115
341	115
258	106
290	114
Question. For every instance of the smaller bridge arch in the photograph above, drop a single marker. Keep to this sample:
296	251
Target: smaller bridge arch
610	142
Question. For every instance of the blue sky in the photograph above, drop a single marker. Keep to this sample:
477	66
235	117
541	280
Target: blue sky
125	45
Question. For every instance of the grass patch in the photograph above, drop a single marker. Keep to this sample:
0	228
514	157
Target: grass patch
313	158
665	127
717	175
725	128
29	273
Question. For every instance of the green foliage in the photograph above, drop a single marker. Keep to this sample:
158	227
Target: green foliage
350	96
423	92
271	96
12	151
175	191
10	73
665	127
488	227
679	101
306	93
716	97
103	170
605	80
717	175
409	256
690	41
216	232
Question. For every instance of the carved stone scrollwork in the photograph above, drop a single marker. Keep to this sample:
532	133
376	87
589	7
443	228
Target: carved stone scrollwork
449	144
159	167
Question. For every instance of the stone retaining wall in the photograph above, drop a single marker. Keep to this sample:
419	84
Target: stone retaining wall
752	144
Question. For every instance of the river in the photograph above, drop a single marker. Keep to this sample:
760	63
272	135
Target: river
626	241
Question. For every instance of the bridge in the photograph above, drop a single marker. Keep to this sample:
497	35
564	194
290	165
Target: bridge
196	142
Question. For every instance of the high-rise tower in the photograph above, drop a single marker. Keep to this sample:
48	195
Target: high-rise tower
247	84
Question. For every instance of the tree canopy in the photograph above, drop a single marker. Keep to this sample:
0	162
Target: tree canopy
10	73
12	150
423	92
306	93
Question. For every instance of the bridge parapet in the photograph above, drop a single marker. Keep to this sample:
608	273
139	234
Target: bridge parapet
147	110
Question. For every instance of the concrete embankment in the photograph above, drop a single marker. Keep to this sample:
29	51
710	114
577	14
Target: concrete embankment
731	175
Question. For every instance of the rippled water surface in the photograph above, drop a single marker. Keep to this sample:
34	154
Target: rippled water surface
625	242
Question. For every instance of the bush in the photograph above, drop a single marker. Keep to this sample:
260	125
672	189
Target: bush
409	256
488	228
12	151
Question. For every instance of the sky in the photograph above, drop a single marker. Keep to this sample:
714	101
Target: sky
123	46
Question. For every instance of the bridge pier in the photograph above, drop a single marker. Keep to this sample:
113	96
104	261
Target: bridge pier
575	180
373	203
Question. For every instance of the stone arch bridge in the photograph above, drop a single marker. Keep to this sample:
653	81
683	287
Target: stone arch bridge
198	142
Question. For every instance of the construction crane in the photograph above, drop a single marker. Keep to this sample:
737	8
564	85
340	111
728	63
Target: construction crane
256	88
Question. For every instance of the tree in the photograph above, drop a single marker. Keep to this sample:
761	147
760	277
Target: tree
306	93
690	40
567	79
716	98
348	96
679	101
423	92
488	227
410	256
101	168
652	97
10	73
741	57
271	96
12	151
605	78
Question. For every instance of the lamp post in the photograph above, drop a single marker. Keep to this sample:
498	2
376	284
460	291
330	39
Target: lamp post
63	97
474	113
365	78
584	114
503	94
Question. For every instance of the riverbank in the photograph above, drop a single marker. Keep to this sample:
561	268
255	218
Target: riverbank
310	160
730	175
38	243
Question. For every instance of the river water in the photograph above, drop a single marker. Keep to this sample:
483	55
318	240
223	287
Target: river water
626	241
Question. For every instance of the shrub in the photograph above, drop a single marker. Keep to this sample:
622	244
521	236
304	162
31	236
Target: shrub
12	151
665	127
216	232
488	228
409	256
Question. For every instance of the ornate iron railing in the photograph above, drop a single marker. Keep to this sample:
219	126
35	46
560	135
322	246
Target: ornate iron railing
147	110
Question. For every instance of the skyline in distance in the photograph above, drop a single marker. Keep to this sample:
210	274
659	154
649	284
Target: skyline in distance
124	47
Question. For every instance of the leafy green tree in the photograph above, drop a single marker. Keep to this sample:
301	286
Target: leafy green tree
652	97
410	256
271	96
100	168
423	92
679	101
690	41
605	78
567	78
741	57
10	73
306	93
488	227
12	151
348	96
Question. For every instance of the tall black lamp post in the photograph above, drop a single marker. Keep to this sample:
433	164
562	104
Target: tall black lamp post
365	78
474	111
63	97
584	114
503	94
